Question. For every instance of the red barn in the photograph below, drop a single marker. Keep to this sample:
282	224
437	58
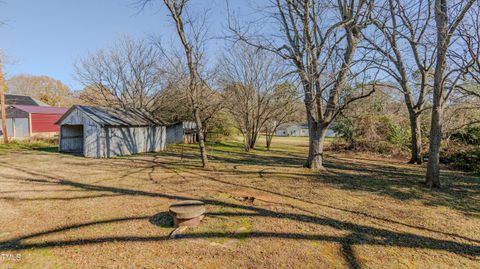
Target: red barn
27	121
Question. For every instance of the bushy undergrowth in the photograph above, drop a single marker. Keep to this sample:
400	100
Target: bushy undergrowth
469	136
375	133
462	156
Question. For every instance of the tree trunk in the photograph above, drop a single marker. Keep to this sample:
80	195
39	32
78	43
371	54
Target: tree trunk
268	140
416	140
253	140
317	133
246	140
201	139
433	167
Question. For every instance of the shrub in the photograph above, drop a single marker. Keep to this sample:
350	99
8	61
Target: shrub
345	130
377	133
466	160
470	136
397	135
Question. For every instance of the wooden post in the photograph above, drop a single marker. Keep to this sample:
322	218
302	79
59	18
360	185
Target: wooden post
2	103
30	132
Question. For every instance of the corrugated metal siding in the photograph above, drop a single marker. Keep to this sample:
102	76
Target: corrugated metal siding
132	140
45	123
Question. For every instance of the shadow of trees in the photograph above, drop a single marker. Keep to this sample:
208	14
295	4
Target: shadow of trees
461	191
357	234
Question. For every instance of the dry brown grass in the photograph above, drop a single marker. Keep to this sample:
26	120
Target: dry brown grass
64	211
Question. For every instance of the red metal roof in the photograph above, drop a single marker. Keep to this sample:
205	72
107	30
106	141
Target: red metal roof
42	109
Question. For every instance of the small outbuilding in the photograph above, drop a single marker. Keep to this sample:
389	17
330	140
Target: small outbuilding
104	132
30	120
184	132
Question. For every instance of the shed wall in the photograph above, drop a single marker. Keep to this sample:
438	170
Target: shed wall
91	134
104	142
175	134
120	141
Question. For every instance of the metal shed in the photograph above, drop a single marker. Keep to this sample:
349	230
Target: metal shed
103	132
184	132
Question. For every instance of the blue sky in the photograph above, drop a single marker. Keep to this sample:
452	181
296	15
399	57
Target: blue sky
46	37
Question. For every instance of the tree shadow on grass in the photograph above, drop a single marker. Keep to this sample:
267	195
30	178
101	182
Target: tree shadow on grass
358	234
460	191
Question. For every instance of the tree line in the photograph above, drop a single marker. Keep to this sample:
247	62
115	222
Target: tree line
330	54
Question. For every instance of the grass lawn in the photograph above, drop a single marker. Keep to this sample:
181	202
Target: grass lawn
63	211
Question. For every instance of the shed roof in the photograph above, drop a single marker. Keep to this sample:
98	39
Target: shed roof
115	117
284	126
42	109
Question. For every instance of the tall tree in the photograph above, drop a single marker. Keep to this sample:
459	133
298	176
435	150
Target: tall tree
192	36
319	38
403	36
448	16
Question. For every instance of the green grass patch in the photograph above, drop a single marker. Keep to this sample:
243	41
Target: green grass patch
224	228
41	145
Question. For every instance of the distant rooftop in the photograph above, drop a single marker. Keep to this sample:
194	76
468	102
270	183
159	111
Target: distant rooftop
18	99
41	109
284	126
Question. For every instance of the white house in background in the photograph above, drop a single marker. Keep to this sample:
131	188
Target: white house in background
292	129
297	129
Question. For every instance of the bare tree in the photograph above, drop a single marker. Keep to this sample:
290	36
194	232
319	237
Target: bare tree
448	16
319	39
175	104
290	109
256	90
192	35
128	75
468	57
403	35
